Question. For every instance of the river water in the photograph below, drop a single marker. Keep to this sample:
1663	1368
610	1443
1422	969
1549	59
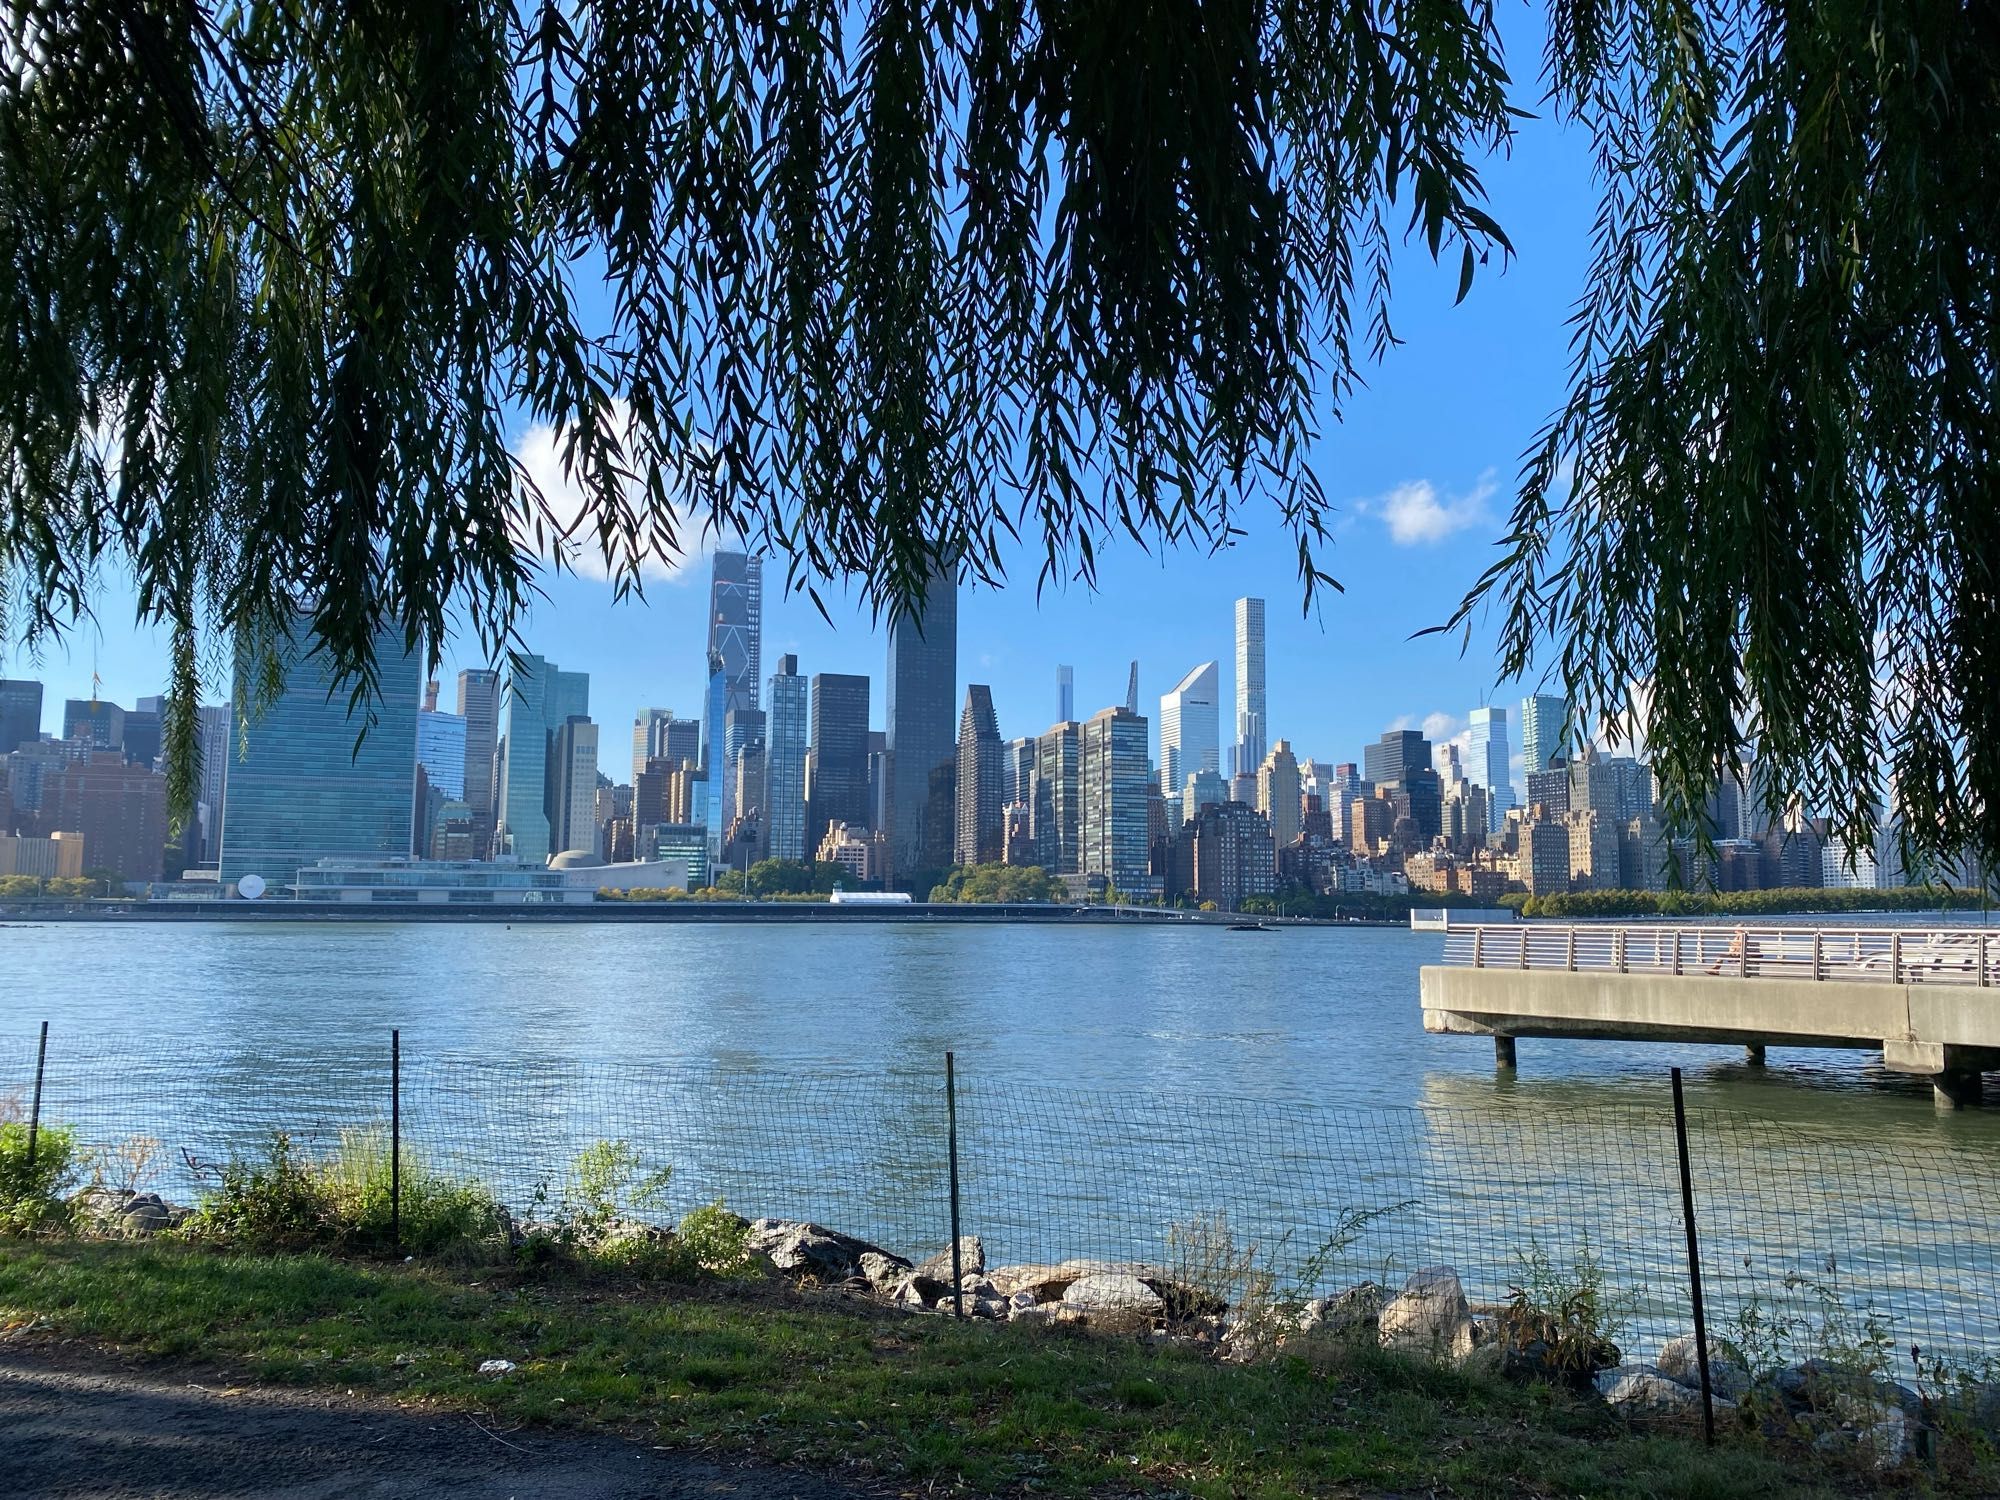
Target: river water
1112	1081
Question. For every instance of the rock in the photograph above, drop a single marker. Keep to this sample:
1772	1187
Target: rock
146	1213
1047	1314
919	1292
1728	1376
804	1249
1184	1301
496	1367
1354	1311
1113	1292
883	1272
1429	1317
1043	1283
1646	1392
971	1260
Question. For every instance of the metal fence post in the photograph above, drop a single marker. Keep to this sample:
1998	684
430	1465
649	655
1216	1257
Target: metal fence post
1677	951
396	1137
35	1109
1694	1263
1895	958
951	1150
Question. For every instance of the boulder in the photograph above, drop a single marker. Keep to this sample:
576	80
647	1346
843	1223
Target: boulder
1429	1318
804	1249
1645	1392
918	1292
1728	1376
1043	1283
1356	1311
883	1272
1047	1314
971	1260
146	1213
1113	1292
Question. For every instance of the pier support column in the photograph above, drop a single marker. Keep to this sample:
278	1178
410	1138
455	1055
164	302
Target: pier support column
1503	1054
1958	1088
1753	1055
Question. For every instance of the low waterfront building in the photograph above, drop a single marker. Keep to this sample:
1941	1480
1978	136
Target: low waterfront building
571	879
57	857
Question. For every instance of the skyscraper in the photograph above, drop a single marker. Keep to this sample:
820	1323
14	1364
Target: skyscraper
301	789
441	751
1544	730
1278	793
100	724
743	731
648	736
1250	704
1065	695
1114	773
536	700
1058	804
923	691
837	762
736	657
1400	763
1490	763
20	713
1017	772
216	726
119	808
786	739
980	773
571	803
1190	728
479	706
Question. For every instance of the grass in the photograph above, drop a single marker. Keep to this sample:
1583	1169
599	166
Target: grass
813	1379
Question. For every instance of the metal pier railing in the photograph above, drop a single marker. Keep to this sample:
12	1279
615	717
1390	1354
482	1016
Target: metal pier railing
1841	954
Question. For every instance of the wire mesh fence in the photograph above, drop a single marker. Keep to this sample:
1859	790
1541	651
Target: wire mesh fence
1811	1234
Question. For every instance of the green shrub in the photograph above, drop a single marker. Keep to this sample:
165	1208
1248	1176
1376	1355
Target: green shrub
712	1241
1567	1312
33	1199
605	1187
288	1200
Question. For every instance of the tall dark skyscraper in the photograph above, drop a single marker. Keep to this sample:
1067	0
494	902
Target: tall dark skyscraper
735	664
1401	760
20	713
479	706
837	764
979	780
923	695
92	719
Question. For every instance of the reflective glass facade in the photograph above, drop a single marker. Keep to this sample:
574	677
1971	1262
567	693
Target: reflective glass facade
1251	708
785	763
922	724
479	706
837	765
1191	728
735	662
535	702
441	752
301	788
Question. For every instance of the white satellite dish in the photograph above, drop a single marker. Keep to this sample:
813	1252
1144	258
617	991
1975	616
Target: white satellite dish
250	887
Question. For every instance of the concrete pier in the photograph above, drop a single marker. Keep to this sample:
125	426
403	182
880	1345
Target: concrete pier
1928	1001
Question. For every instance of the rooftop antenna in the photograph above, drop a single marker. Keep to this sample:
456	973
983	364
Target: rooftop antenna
1132	690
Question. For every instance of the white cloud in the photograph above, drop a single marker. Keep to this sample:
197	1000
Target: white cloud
540	450
1440	726
1419	514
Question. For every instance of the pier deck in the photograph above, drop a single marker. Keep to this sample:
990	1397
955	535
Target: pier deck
1928	999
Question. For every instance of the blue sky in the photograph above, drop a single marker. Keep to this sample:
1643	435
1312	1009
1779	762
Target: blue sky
1421	471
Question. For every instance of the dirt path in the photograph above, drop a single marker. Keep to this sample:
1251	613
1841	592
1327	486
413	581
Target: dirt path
76	1426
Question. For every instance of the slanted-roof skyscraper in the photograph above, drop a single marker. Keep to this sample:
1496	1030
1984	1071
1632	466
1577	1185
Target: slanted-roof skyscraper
980	774
1251	708
1490	763
535	702
1190	728
923	697
1544	731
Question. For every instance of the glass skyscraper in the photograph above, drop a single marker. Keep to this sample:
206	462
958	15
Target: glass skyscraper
441	752
1544	730
1251	708
303	786
786	738
1058	805
535	702
1190	728
735	665
1490	763
1065	694
479	706
20	713
923	701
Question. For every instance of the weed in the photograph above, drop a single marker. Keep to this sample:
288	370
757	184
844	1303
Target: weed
713	1241
1564	1314
33	1195
591	1211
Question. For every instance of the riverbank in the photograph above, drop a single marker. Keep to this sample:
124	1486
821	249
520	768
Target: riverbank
840	1386
626	912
